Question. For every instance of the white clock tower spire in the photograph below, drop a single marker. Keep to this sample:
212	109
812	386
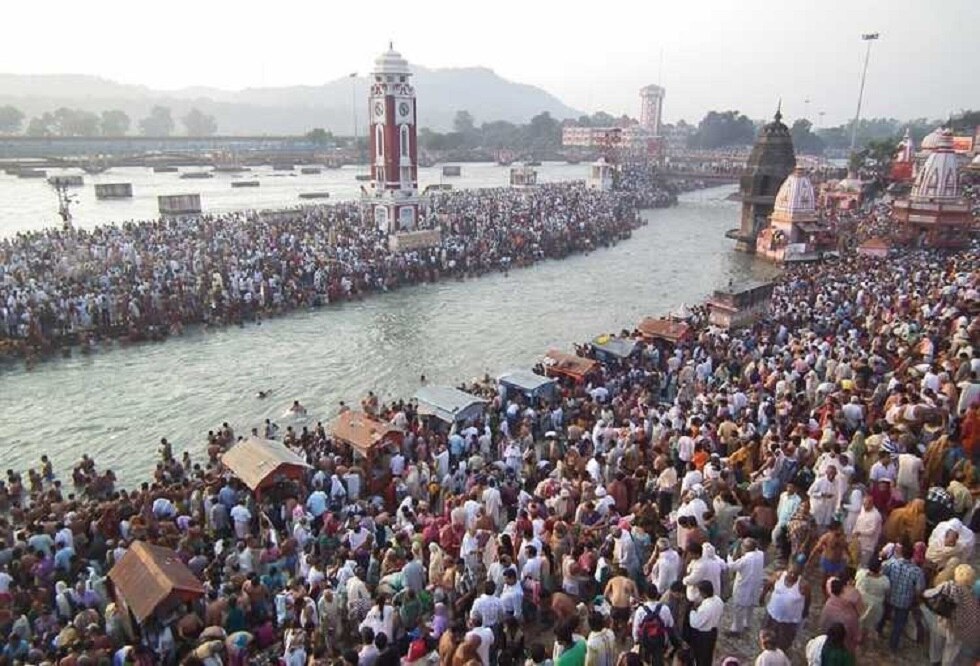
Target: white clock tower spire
394	194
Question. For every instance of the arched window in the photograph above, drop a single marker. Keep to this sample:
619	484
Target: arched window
379	141
404	140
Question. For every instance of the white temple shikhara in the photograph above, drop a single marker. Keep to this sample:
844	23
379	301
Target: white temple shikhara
936	214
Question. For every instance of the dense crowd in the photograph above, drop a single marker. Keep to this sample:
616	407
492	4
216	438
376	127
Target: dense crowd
149	279
806	484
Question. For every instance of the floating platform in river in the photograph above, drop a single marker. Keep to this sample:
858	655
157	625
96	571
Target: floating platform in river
179	204
160	168
231	168
451	170
66	181
32	173
114	191
196	175
245	183
283	167
309	171
362	177
314	195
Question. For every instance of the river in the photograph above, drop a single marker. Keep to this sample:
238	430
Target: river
116	405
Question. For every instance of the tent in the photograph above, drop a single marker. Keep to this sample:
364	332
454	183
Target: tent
560	364
150	579
664	329
262	462
449	404
609	348
364	433
530	384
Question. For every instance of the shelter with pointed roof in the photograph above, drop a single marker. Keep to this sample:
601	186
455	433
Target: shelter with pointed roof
936	214
261	463
152	580
772	159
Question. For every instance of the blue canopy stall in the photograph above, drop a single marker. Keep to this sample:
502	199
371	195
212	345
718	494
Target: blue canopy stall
531	385
449	405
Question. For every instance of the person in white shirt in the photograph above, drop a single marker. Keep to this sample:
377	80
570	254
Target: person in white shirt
242	518
664	566
909	475
704	566
489	607
641	613
703	623
883	469
749	577
771	655
481	637
824	497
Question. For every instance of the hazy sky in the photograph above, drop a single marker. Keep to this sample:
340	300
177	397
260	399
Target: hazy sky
717	54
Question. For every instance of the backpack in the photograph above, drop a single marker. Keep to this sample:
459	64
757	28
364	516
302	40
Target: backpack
653	632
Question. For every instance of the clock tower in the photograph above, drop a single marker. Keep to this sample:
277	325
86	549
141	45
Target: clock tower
394	194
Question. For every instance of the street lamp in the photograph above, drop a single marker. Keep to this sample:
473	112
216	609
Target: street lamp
867	37
353	105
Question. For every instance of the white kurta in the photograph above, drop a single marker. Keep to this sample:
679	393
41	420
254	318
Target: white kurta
749	578
823	500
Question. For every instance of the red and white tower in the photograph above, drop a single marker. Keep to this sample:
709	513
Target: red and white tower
394	194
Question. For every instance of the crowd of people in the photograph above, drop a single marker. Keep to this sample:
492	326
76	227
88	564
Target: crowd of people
148	280
798	490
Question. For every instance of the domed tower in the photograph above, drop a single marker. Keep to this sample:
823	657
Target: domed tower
772	160
793	221
935	214
394	194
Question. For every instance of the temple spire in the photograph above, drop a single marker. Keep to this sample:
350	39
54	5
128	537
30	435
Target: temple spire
779	110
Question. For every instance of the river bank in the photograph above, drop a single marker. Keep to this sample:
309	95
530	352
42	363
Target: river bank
117	405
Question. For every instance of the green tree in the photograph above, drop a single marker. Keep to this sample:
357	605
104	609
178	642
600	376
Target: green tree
11	118
114	123
965	121
319	136
198	123
43	125
874	158
159	123
804	140
463	123
75	122
717	130
602	119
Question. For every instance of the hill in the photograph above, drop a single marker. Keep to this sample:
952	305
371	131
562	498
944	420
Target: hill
294	109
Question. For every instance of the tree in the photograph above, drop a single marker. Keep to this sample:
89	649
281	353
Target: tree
804	140
158	123
11	119
874	158
463	123
198	123
728	128
43	125
319	136
74	122
966	121
114	123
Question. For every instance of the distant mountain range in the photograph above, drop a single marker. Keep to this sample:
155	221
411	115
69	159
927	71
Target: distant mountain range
290	110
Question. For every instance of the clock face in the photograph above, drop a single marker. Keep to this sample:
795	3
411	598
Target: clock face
379	109
404	108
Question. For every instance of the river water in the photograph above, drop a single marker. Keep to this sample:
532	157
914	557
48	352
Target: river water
33	204
116	405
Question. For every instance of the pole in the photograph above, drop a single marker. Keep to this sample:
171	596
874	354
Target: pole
353	109
868	37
